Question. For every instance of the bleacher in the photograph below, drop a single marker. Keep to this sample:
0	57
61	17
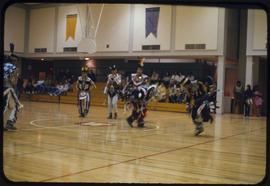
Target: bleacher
99	99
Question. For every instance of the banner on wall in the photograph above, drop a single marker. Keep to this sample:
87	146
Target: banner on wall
71	21
151	21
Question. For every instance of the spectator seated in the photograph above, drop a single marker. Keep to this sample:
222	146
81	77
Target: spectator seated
60	89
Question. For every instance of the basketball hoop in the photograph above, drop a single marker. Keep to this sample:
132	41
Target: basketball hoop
87	45
88	42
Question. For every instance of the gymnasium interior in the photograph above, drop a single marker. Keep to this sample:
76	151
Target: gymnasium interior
53	41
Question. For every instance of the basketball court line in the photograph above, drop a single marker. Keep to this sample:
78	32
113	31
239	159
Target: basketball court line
107	152
65	129
79	148
232	117
229	153
125	155
142	157
216	176
94	124
16	143
41	151
38	127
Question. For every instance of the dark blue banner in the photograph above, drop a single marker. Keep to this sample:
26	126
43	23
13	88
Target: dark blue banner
151	21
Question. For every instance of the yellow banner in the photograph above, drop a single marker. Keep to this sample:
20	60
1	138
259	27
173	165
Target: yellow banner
71	26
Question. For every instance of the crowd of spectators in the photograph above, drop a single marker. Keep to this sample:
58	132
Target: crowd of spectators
247	100
168	87
63	83
47	86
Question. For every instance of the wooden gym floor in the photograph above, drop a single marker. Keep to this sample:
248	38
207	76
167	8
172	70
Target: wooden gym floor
51	146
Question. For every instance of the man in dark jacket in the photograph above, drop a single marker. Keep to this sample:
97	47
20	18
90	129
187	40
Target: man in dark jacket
247	100
238	96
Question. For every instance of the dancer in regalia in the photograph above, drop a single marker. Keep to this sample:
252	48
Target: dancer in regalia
112	89
201	101
9	94
140	92
83	86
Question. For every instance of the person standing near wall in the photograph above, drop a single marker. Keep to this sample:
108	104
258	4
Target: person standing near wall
238	97
247	100
257	99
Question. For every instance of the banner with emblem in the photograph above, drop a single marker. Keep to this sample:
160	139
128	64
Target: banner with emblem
151	21
71	21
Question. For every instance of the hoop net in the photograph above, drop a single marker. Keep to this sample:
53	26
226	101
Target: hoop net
89	27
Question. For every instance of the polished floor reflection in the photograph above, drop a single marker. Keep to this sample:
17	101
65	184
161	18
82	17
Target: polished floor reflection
54	145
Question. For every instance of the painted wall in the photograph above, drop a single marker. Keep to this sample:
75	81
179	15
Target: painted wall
41	29
193	25
61	26
259	30
164	28
114	28
256	33
14	28
196	25
114	19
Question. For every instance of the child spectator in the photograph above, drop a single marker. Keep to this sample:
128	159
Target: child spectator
257	99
